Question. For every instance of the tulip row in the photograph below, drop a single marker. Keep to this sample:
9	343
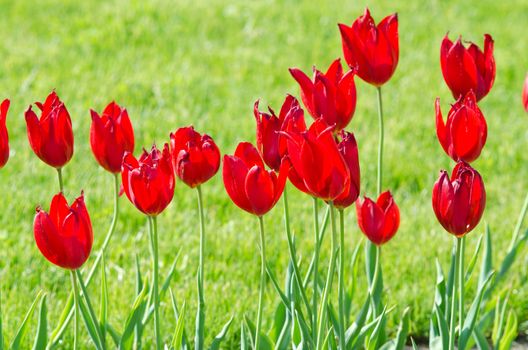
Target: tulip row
320	160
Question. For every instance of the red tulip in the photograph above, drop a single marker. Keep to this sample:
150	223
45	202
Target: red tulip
525	94
468	69
464	133
195	158
149	181
111	135
372	50
64	236
270	144
349	150
316	159
4	137
378	220
459	202
330	95
249	185
51	136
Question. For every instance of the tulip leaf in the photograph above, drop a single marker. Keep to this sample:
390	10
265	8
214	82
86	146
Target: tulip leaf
265	341
413	344
500	314
510	332
116	337
510	257
279	319
91	313
401	336
177	338
473	260
374	338
480	339
177	317
133	318
42	329
354	330
487	260
305	330
275	284
103	311
138	332
1	325
243	338
215	345
23	328
90	324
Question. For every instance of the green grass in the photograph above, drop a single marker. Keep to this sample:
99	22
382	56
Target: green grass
204	63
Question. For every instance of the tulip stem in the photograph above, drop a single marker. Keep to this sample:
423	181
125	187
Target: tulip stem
316	263
76	308
61	184
200	313
341	287
454	296
380	145
153	232
375	280
329	279
262	282
461	242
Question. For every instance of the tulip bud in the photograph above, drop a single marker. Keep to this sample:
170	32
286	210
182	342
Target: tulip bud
379	220
4	137
459	201
464	133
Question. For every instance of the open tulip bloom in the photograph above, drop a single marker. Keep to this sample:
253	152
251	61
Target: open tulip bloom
467	69
4	137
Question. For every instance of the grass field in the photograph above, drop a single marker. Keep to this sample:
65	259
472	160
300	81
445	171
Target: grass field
174	63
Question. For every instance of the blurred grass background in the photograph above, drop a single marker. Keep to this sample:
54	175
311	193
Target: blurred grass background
175	63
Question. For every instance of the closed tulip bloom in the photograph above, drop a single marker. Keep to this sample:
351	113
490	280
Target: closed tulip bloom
4	137
459	201
378	220
195	157
525	94
270	144
149	181
316	159
111	135
247	182
330	95
464	133
51	136
372	50
470	68
349	150
64	235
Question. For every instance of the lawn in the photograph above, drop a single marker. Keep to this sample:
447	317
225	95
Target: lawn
175	63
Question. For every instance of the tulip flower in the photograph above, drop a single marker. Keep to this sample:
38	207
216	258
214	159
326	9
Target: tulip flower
64	235
195	157
315	157
459	201
270	144
111	135
4	137
249	185
349	150
372	50
464	133
149	181
51	135
378	220
525	94
330	95
466	69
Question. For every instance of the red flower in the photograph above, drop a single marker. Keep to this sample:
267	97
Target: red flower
464	134
4	137
249	185
51	137
64	236
330	95
111	135
468	69
270	144
372	50
525	94
459	202
379	221
349	150
195	158
316	159
149	181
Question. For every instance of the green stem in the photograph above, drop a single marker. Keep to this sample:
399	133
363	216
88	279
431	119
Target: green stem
320	238
518	226
293	258
315	264
380	144
68	311
452	323
262	282
76	308
155	266
61	183
375	280
461	242
200	314
329	279
341	283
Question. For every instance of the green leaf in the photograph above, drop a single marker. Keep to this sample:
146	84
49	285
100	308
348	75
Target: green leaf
138	332
90	323
133	318
442	327
510	331
42	329
500	314
215	345
177	338
374	338
480	339
265	341
1	325
306	335
273	279
413	344
96	337
116	337
441	289
354	330
103	311
177	316
403	330
280	317
473	261
243	338
23	328
487	260
471	318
